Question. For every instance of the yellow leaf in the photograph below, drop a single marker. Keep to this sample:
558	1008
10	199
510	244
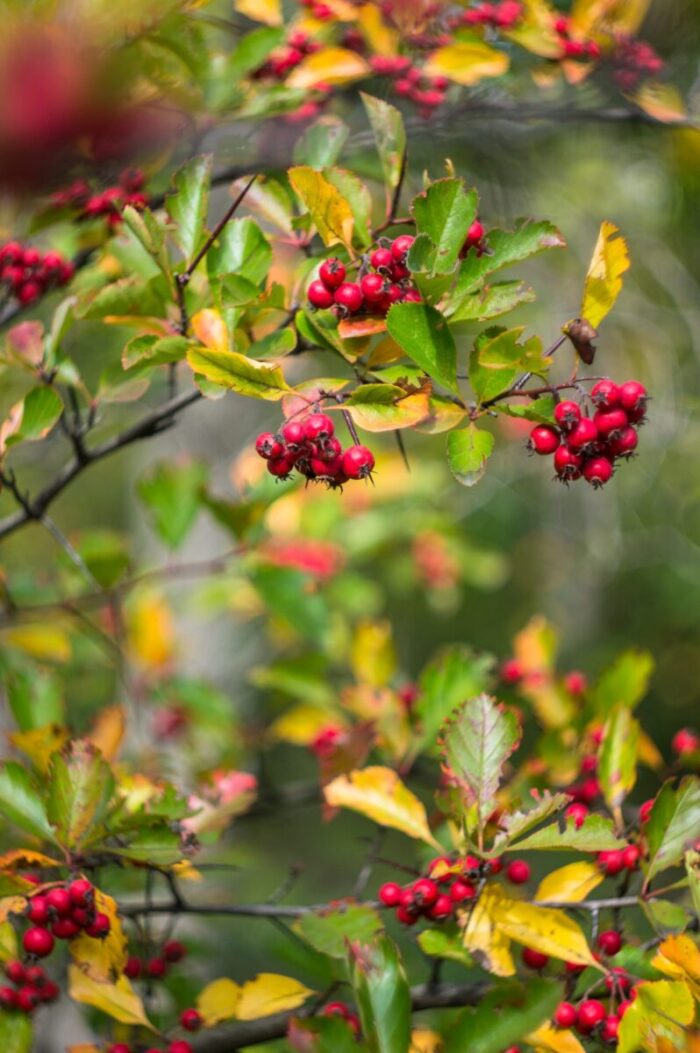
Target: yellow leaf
12	905
108	731
604	279
328	66
301	724
648	752
535	648
40	743
373	659
423	1040
151	629
328	209
102	960
484	940
467	62
661	1011
624	16
184	871
679	956
545	929
8	942
570	884
379	794
382	39
210	328
218	1001
267	11
21	858
554	1040
118	1000
45	642
269	993
663	102
89	1048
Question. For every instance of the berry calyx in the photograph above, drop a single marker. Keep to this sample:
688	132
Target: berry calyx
38	942
633	396
268	446
190	1019
518	872
358	462
543	439
606	394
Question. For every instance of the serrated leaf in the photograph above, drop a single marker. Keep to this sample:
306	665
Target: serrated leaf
466	62
475	743
270	993
241	249
157	845
503	1018
21	803
468	449
424	335
493	301
385	407
80	787
617	758
322	142
154	350
390	136
679	957
379	794
118	1000
596	834
452	677
545	929
382	994
330	931
329	211
673	825
661	1011
440	944
444	213
102	960
506	248
187	203
569	884
517	823
243	375
625	682
498	358
604	279
485	941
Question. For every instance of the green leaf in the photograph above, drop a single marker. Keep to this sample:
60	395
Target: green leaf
243	375
423	333
188	202
251	51
172	491
382	995
440	944
450	679
661	1010
80	787
390	136
468	449
236	291
518	823
625	682
665	916
34	696
673	825
504	1017
444	212
241	249
493	301
541	411
105	554
357	195
330	931
692	867
21	803
149	232
498	358
322	142
594	835
156	844
505	249
41	409
617	769
476	742
128	297
15	1033
322	1034
149	349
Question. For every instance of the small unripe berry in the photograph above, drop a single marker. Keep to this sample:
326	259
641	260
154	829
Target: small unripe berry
598	471
332	273
99	927
320	296
58	899
584	434
174	951
567	414
358	462
38	942
349	296
38	910
590	1014
518	872
190	1020
390	894
685	741
81	892
441	908
401	245
543	439
565	1015
610	942
534	959
606	394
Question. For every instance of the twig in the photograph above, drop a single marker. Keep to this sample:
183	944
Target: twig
72	553
374	851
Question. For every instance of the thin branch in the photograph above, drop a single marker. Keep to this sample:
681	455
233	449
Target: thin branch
70	550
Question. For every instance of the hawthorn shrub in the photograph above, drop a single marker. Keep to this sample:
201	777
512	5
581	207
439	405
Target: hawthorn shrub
524	858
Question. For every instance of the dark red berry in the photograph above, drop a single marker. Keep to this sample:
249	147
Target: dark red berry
610	1028
156	968
318	427
174	951
332	273
81	892
38	910
280	467
534	959
99	927
133	967
35	976
8	998
15	972
390	894
180	1046
511	671
598	471
190	1020
65	929
633	396
411	296
606	394
518	872
119	1047
406	916
565	1015
610	942
425	892
618	980
58	899
645	810
28	999
612	862
349	296
590	1014
567	414
578	813
38	942
49	991
441	908
576	683
320	296
567	464
28	292
685	741
461	891
268	445
372	286
358	462
625	442
543	439
400	246
474	234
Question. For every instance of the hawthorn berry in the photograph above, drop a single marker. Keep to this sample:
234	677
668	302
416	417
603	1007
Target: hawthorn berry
280	466
583	435
402	244
511	671
425	892
633	396
685	741
119	1047
543	439
441	908
631	856
268	445
65	929
16	972
617	979
59	902
180	1046
612	862
645	810
390	894
81	892
406	916
8	998
156	968
610	1028
28	999
590	1014
567	414
624	443
358	462
610	942
382	259
518	872
598	471
320	296
461	891
133	967
38	910
190	1019
332	272
576	683
318	427
534	959
99	927
610	423
174	951
82	916
38	942
565	1015
606	394
349	297
372	286
578	812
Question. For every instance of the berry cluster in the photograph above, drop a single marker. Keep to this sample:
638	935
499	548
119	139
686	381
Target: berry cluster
588	447
572	47
384	279
63	913
633	61
31	987
155	968
104	204
28	273
503	15
287	57
590	1018
447	885
311	447
344	1011
318	10
178	1046
411	82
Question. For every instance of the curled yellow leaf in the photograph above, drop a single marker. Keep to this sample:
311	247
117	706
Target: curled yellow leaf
270	993
467	62
218	1001
330	66
603	283
570	884
118	1000
379	794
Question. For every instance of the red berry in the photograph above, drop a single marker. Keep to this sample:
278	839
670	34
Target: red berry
268	445
8	998
567	464
590	1014
119	1047
565	1015
567	415
133	967
543	439
610	423
645	810
38	942
390	894
633	396
441	862
411	296
578	813
190	1020
474	234
59	901
82	916
81	892
180	1046
606	394
399	271
631	856
534	959
685	741
358	462
612	862
28	999
425	892
402	244
406	916
38	910
156	968
573	968
65	929
349	296
320	296
584	434
16	972
495	866
625	442
318	427
624	1006
598	471
617	979
335	1009
609	1030
28	292
381	259
518	872
441	908
511	671
576	683
332	273
99	928
294	434
610	942
372	286
461	891
174	951
280	467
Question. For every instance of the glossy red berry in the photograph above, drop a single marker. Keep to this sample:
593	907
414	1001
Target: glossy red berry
406	916
543	439
16	972
382	259
390	894
28	999
372	286
358	462
624	443
28	292
645	810
349	296
534	959
411	296
190	1020
631	856
280	467
400	246
598	471
474	234
320	296
610	423
618	980
294	434
332	272
610	1028
174	951
583	435
612	862
590	1014
99	927
606	394
633	396
565	1015
518	872
38	942
567	414
425	892
685	741
82	916
318	427
577	812
268	445
610	942
511	671
65	929
38	910
49	991
81	892
461	891
441	908
59	901
567	464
